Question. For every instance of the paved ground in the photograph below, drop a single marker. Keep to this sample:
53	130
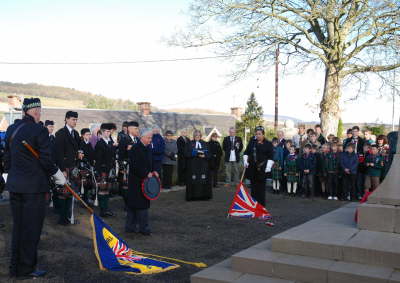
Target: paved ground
195	231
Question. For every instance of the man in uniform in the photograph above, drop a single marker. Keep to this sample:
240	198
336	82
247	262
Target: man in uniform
66	148
124	132
105	162
125	145
28	184
86	158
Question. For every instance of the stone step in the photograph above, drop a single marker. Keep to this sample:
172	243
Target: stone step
260	260
222	273
335	236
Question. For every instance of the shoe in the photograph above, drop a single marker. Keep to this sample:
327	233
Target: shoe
2	226
38	273
146	233
330	197
109	213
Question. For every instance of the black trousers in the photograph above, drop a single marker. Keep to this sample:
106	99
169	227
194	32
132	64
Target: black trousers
258	191
350	181
28	213
332	185
137	220
181	170
308	184
168	171
214	177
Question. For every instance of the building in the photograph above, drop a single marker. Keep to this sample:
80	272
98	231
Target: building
145	117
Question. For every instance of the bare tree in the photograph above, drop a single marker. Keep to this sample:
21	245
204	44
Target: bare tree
349	38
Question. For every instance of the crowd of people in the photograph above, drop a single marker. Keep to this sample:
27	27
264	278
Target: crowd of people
100	163
310	164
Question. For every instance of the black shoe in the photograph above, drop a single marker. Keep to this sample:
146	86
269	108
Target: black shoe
32	275
2	226
63	222
146	233
109	213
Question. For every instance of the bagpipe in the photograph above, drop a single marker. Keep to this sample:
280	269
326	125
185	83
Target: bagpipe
123	173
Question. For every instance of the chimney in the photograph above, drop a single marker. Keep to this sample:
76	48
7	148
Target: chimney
236	112
14	102
144	108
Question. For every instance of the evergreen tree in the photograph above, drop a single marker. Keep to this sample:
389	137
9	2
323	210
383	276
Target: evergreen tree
252	117
340	129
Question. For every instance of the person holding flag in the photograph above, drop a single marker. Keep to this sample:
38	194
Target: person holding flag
28	184
258	161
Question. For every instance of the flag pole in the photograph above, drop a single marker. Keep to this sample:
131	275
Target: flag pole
36	154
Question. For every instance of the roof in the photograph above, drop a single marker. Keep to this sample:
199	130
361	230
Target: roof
165	120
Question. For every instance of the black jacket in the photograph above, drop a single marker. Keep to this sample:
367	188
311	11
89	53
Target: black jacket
66	148
141	164
228	146
123	146
105	156
26	174
182	143
215	154
359	144
88	151
258	156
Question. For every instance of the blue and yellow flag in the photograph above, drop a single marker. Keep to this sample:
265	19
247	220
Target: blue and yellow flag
115	255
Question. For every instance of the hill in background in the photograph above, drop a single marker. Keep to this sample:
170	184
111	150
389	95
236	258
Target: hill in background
56	96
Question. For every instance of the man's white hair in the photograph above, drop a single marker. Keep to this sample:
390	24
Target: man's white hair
145	131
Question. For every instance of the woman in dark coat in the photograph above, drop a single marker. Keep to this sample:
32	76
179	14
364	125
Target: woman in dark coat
198	185
258	159
141	167
215	158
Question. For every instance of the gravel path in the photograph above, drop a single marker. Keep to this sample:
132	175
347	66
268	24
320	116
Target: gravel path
195	231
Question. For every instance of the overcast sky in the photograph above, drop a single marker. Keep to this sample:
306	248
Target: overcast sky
123	30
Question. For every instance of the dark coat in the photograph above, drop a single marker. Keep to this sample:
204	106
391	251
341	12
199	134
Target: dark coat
105	156
141	164
88	151
123	144
258	154
359	144
158	147
181	143
26	174
349	161
66	148
308	162
215	154
53	147
227	146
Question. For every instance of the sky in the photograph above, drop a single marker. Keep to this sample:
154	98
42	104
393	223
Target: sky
132	30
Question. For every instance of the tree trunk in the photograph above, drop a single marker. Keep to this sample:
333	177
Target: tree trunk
330	110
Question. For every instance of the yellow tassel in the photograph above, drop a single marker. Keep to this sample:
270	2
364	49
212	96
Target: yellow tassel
196	264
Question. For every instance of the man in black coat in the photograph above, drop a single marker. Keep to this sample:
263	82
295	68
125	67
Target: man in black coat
356	140
232	146
28	183
66	150
50	127
105	161
124	146
140	160
182	142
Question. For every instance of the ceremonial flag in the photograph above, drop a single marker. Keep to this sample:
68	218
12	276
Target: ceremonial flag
115	255
244	206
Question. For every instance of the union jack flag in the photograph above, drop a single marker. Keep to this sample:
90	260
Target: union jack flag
244	206
122	252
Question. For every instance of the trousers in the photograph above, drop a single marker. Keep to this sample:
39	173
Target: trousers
28	213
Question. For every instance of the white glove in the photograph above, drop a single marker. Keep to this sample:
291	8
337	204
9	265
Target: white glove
245	161
268	168
59	178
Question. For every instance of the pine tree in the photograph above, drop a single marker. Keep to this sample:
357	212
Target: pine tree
252	117
340	129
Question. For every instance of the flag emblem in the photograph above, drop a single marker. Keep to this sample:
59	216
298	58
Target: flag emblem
115	255
244	206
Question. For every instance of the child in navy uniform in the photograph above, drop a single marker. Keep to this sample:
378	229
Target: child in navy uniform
333	170
277	168
349	163
307	165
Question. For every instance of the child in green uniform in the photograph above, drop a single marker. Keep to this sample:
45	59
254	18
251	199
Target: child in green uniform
374	164
291	171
